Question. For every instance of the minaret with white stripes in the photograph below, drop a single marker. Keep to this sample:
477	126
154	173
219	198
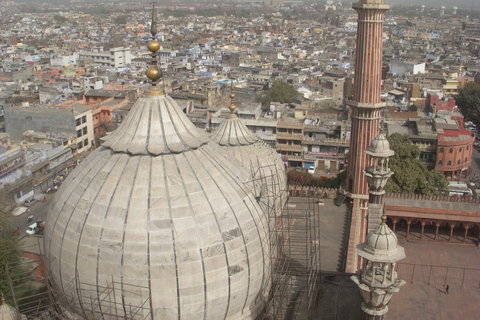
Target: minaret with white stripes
365	113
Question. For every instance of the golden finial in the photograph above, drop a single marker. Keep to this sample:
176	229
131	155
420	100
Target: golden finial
232	96
384	216
153	72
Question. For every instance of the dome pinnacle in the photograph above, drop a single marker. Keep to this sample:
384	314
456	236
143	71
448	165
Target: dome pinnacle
153	72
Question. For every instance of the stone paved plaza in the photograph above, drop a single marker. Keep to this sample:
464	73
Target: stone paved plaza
420	300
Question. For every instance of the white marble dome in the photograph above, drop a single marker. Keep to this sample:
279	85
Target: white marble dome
158	207
7	312
381	241
379	147
264	162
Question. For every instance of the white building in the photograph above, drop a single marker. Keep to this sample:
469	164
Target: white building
84	128
114	58
64	60
401	67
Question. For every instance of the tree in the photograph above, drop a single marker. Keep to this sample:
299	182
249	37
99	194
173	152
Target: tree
468	101
411	175
121	19
59	18
280	91
10	252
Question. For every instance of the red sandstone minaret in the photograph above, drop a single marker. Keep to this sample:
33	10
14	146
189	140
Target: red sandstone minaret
365	113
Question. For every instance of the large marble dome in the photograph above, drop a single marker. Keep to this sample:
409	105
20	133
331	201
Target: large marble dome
159	208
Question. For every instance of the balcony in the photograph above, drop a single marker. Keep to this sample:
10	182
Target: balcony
312	155
266	136
289	147
326	142
290	125
289	136
291	158
426	147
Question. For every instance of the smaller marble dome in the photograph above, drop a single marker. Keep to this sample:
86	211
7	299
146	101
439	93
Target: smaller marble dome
7	312
379	147
266	165
381	245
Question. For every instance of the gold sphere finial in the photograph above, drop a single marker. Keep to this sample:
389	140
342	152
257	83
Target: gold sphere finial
384	216
232	95
232	107
153	73
153	46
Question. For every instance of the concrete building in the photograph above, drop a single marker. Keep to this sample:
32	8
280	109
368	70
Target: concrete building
401	67
289	141
54	122
113	58
454	149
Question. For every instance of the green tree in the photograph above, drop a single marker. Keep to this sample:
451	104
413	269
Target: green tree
121	19
280	91
411	175
468	101
59	18
10	252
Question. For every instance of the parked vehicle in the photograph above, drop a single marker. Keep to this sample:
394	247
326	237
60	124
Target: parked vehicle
36	228
311	170
30	202
19	211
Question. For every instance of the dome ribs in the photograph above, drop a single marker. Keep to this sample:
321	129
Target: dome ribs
156	126
156	141
140	138
172	139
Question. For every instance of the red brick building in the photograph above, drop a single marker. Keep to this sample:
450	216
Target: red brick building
454	152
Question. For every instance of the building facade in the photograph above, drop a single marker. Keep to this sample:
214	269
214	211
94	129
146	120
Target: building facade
454	153
114	58
289	141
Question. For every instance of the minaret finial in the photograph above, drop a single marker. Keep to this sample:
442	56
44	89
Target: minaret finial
153	28
232	96
153	72
384	216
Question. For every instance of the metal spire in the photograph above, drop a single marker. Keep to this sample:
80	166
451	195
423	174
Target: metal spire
153	72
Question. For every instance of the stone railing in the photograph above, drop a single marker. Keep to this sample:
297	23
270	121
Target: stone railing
304	191
431	198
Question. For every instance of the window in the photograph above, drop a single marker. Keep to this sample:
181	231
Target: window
460	149
458	162
85	142
468	147
451	150
449	163
85	130
78	122
440	162
80	145
84	119
466	159
441	150
79	133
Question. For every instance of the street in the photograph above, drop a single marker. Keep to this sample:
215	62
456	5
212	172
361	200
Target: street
39	212
475	167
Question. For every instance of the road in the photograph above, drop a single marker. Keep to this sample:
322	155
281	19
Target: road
475	162
39	212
